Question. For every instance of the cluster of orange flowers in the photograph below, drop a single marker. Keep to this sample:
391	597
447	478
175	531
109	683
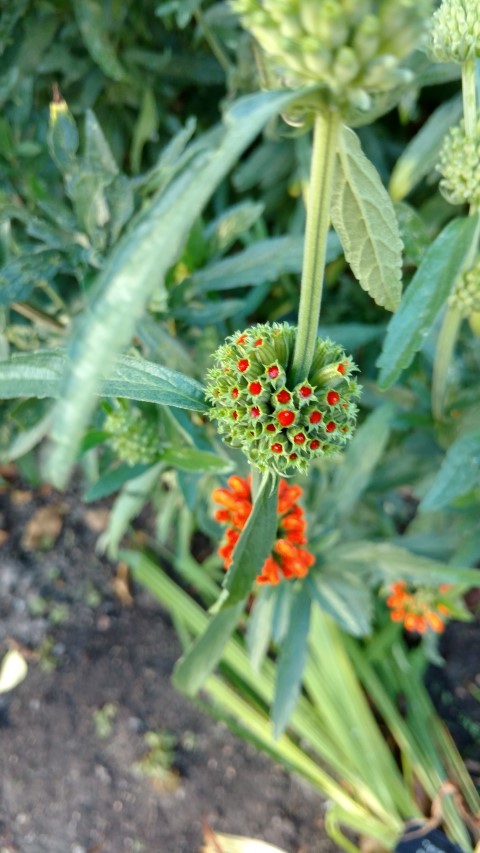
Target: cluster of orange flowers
418	610
288	559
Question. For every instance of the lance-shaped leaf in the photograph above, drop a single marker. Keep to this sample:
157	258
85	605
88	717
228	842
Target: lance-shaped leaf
364	219
201	659
39	374
291	661
255	542
386	562
459	473
421	155
20	275
425	296
137	266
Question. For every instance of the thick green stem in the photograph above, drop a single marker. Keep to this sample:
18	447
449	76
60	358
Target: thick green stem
469	93
325	134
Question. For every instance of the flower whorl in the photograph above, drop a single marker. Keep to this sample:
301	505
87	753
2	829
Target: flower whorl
280	425
353	47
459	165
456	30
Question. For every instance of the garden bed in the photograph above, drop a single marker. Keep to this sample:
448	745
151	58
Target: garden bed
70	779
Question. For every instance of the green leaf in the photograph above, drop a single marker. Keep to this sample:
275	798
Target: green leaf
459	473
201	659
145	127
20	275
138	264
98	154
127	506
255	542
364	219
425	296
113	480
382	561
139	379
421	155
345	598
259	626
38	374
32	374
291	661
231	225
62	136
189	459
92	22
360	460
265	260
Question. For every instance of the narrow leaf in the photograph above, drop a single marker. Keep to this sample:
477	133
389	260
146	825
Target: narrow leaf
364	219
20	275
345	598
32	374
291	661
201	659
92	21
255	543
425	296
189	459
421	155
459	473
138	264
386	562
259	627
263	261
139	379
39	374
113	480
360	460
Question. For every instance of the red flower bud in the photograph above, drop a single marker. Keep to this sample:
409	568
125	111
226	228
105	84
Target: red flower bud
286	418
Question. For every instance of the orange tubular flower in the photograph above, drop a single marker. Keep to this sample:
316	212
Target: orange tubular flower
419	610
287	559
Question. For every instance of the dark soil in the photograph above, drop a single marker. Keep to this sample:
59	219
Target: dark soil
69	782
66	789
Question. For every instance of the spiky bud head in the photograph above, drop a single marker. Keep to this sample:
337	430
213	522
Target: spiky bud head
459	165
353	48
281	425
133	437
466	293
455	34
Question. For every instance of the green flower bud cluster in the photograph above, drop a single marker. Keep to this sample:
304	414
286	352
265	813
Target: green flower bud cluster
133	437
353	47
456	31
281	425
466	293
460	166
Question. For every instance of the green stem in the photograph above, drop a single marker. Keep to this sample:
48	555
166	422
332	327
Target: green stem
443	356
212	42
325	135
469	93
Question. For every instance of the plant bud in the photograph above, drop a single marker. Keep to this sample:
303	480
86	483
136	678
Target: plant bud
278	424
460	167
344	46
455	32
466	293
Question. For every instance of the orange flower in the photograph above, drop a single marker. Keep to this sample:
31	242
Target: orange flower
287	559
418	610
